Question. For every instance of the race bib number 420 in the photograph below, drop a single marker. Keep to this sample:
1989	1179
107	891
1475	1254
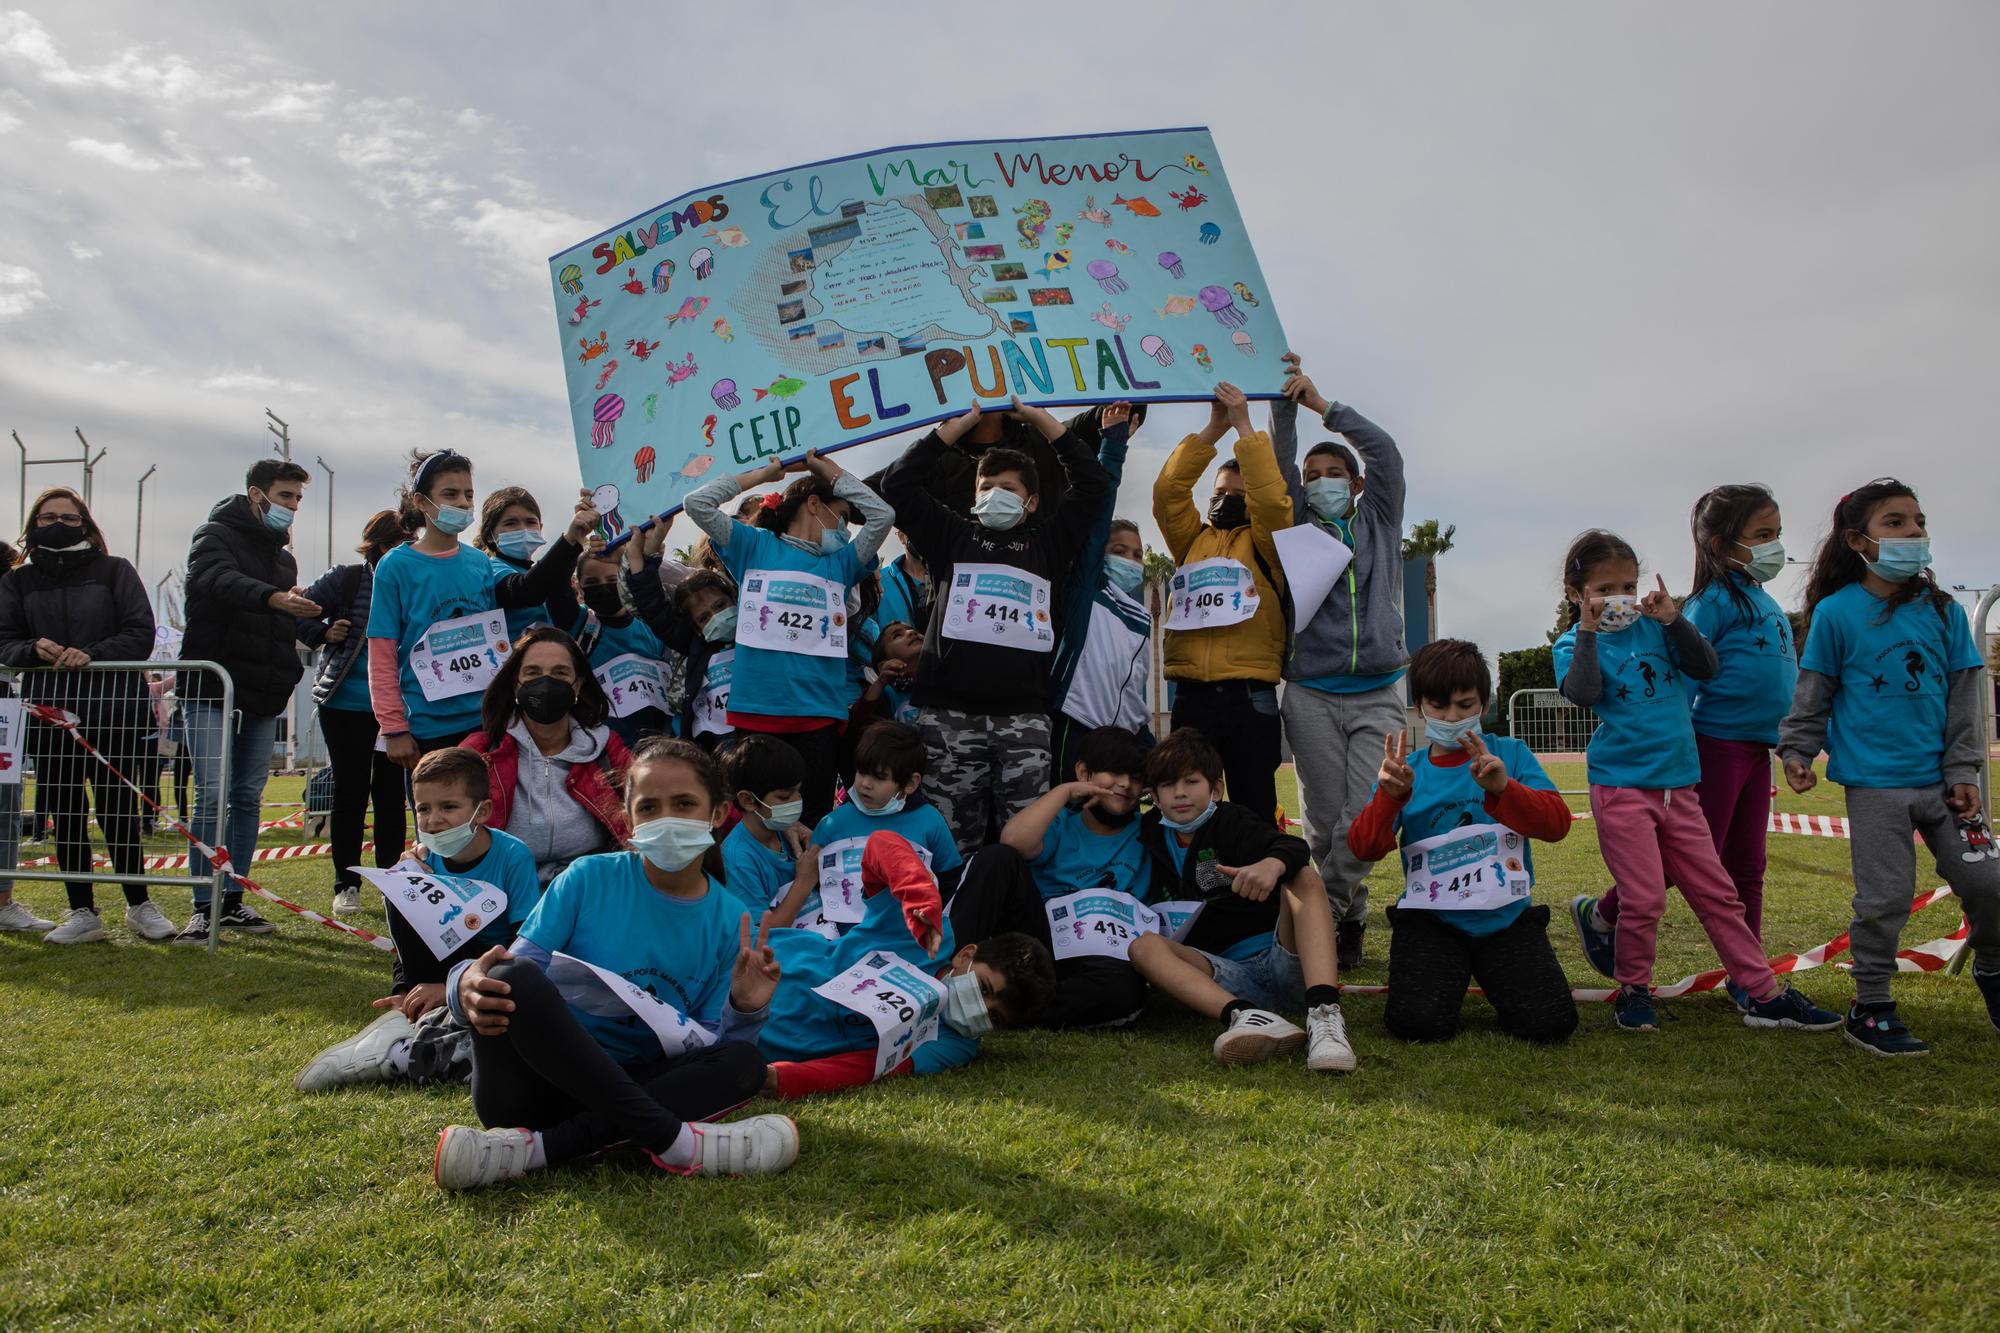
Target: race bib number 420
898	999
999	604
1469	869
460	656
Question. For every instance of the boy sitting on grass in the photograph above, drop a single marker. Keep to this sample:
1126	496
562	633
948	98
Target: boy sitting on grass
815	1045
1264	938
760	857
1465	808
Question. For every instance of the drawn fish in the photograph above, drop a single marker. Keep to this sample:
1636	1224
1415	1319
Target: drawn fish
1141	207
691	307
1063	232
1244	294
697	465
1117	247
780	388
1177	305
729	236
721	330
1053	263
708	428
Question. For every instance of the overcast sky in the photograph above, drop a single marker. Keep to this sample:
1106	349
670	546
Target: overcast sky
1582	260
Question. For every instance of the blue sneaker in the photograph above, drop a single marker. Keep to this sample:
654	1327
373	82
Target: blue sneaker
1635	1009
1738	996
1878	1030
1599	946
1789	1008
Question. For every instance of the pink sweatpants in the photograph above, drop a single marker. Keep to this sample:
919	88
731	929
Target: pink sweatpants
1649	837
1735	790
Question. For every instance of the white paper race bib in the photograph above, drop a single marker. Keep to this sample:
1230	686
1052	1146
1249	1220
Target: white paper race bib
790	612
1177	918
446	910
1469	869
633	683
1209	594
901	1001
1098	923
460	656
10	742
711	706
840	878
999	604
813	919
595	990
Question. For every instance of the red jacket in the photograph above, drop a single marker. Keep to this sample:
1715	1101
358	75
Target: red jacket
594	785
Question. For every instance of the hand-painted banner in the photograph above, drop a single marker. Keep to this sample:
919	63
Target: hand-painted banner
827	305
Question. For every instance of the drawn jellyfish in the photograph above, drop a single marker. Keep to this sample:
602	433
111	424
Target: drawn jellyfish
605	501
605	416
644	461
1155	346
1210	233
1217	301
724	394
703	261
1171	262
1106	274
663	276
1242	341
571	278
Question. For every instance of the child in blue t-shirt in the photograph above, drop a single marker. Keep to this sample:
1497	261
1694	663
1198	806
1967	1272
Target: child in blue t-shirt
451	792
816	1044
625	1009
510	532
1737	550
625	654
1889	686
760	857
889	762
1464	809
1082	835
1625	655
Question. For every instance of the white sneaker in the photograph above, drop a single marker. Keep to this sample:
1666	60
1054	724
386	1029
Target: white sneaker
763	1145
364	1057
16	916
1255	1035
149	921
81	926
346	902
469	1158
1327	1051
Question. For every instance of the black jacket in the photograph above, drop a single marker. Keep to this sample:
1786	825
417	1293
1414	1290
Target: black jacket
80	600
234	565
1234	836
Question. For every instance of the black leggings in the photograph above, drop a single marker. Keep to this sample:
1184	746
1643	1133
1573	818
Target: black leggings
997	894
1431	964
362	775
1230	713
546	1073
61	769
820	748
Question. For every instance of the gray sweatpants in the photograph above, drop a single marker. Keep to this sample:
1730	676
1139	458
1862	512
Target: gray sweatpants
1336	744
1880	820
984	769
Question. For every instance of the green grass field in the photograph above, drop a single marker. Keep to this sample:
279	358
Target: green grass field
157	1169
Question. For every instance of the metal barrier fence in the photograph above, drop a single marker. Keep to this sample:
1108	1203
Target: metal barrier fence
1548	723
125	712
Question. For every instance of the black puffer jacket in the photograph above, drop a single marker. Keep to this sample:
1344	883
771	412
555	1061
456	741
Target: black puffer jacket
234	565
79	599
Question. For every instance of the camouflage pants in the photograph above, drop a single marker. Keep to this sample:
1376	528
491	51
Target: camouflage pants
983	769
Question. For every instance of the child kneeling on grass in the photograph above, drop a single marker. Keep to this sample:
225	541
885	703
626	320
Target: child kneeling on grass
559	1082
1465	808
452	794
816	1045
1264	937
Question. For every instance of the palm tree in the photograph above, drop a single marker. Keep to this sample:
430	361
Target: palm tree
1428	541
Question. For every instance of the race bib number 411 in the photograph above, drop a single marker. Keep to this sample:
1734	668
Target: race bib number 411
999	604
1469	869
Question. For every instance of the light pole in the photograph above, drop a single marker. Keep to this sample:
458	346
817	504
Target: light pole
329	508
89	463
283	431
139	522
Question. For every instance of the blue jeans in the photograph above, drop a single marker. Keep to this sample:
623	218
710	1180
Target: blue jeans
1272	980
249	769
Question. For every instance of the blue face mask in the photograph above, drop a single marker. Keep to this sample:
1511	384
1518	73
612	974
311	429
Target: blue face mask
1900	559
893	806
276	517
521	543
1447	735
999	509
1192	824
1329	497
721	626
672	845
1127	575
964	1006
451	521
448	843
832	539
783	815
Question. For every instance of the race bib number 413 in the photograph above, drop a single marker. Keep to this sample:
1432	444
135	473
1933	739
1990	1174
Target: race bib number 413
1098	923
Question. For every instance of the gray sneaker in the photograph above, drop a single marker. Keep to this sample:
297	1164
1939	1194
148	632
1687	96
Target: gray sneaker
81	926
148	921
365	1057
469	1158
346	902
16	916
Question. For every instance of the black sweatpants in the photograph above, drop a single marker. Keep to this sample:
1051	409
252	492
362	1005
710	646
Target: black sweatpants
1431	964
545	1073
1240	719
996	894
362	776
62	767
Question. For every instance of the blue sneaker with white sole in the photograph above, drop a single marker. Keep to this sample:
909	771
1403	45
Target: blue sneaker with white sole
1599	946
1877	1029
1634	1006
1789	1008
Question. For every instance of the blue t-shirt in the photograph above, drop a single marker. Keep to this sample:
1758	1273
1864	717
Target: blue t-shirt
603	910
770	682
1647	740
921	824
1888	724
897	603
607	641
756	875
1075	858
520	619
414	591
1752	689
352	692
509	867
1444	797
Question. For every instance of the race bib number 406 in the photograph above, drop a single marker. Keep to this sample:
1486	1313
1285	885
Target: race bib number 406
999	604
1211	593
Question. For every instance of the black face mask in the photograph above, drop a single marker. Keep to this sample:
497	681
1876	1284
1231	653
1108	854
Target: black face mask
54	536
1118	819
603	598
1228	511
545	699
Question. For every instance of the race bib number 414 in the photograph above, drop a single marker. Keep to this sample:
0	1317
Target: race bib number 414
999	604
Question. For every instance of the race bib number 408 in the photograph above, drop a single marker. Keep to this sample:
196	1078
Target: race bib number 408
460	656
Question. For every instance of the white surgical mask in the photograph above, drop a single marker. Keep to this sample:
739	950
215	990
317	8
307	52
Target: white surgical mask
1329	497
672	844
832	539
783	815
999	509
721	626
1127	575
964	1006
1437	731
892	806
452	521
449	842
1766	562
276	517
1620	612
1191	824
1900	559
520	543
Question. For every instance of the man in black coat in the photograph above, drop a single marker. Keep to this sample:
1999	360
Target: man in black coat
246	612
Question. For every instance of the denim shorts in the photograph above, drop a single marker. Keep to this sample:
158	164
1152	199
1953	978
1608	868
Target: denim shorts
1272	980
